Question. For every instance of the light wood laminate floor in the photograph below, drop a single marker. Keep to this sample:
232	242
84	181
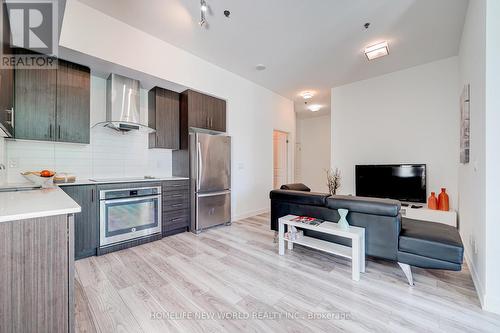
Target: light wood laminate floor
231	279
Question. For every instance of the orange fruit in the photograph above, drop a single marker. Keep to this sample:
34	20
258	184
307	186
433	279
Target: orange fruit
46	173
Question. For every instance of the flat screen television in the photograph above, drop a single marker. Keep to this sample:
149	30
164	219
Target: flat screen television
403	182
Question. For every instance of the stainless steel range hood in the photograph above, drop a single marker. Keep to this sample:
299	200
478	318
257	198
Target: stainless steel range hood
123	105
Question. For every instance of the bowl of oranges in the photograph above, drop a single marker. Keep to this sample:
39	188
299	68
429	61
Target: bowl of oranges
42	178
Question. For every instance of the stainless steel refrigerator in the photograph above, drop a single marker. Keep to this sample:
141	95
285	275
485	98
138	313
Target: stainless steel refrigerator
210	168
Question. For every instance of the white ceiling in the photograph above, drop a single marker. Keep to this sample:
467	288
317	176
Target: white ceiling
305	44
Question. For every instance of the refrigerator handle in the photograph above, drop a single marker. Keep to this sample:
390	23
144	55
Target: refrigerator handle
200	165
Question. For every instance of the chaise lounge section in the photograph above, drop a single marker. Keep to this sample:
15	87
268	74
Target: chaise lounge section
388	236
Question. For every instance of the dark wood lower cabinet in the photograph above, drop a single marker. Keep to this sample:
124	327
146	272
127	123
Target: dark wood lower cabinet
86	222
175	214
175	207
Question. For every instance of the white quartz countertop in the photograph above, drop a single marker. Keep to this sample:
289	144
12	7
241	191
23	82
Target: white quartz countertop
20	205
83	181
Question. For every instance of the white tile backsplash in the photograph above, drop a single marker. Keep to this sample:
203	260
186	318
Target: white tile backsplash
109	154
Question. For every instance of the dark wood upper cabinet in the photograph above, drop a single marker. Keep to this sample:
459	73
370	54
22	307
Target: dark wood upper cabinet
35	104
204	111
216	109
197	113
6	77
164	116
73	103
53	105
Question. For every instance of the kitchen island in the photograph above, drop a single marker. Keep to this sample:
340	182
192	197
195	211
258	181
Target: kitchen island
37	261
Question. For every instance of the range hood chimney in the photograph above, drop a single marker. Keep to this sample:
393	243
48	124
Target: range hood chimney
123	105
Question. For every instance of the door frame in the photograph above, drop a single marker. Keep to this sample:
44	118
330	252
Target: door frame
288	165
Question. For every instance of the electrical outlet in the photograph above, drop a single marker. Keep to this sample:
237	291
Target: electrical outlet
476	250
471	240
14	163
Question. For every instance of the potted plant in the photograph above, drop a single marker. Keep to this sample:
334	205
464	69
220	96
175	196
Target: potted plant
333	180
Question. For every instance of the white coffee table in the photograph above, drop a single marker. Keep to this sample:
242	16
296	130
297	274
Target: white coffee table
357	235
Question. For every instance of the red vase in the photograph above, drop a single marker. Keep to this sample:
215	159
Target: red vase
432	202
443	200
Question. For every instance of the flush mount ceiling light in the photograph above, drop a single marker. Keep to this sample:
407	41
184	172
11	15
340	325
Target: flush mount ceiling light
314	108
307	95
260	67
203	9
377	51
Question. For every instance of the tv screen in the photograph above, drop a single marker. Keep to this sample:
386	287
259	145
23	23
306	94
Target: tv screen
404	182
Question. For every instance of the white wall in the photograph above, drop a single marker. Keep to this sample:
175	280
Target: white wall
109	154
313	135
492	297
472	176
479	181
409	116
253	111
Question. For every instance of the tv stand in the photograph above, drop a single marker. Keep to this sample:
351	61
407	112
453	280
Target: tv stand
430	215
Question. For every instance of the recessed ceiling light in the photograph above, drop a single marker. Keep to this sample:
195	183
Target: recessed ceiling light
260	67
376	51
314	107
307	95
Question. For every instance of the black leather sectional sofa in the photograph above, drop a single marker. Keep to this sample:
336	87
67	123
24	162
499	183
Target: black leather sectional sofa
387	234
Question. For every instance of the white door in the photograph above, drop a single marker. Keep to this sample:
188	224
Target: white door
280	149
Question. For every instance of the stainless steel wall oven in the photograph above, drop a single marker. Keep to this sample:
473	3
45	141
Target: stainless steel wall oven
129	213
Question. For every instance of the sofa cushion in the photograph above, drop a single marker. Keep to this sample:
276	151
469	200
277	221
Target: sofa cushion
295	187
374	206
430	239
299	197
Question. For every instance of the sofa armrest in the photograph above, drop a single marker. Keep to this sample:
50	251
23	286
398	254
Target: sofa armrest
295	187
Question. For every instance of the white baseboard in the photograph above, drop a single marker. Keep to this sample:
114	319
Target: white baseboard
475	279
250	214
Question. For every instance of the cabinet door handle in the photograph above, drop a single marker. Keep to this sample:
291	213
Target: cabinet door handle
208	122
92	195
177	205
58	131
11	121
176	219
176	195
50	131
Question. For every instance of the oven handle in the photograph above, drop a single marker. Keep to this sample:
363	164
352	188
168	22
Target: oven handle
132	199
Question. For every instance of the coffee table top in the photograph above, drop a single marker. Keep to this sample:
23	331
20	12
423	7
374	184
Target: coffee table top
326	227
